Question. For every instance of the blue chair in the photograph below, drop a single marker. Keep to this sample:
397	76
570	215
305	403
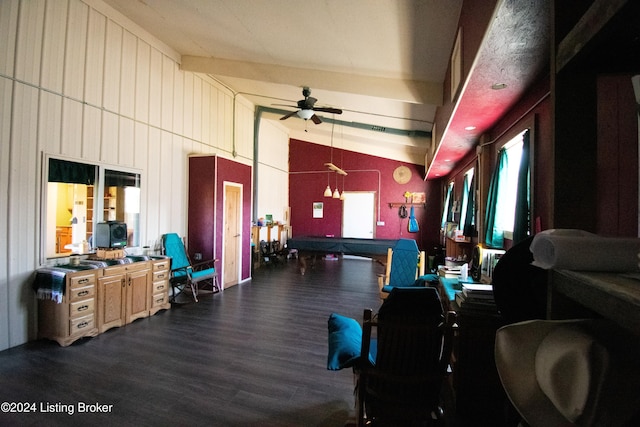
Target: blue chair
405	264
184	274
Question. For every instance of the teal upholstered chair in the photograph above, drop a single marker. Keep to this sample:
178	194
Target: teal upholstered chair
184	274
405	263
402	384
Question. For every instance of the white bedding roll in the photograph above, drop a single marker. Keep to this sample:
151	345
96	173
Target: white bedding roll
579	250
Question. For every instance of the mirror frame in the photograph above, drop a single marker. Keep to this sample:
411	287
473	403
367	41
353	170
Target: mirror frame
98	203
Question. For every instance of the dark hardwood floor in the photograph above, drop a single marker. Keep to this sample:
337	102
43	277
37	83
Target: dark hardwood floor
253	355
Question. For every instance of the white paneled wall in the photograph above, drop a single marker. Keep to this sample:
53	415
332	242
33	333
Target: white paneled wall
80	81
272	170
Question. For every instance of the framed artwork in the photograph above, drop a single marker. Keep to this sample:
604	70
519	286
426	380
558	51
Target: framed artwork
318	209
456	65
418	198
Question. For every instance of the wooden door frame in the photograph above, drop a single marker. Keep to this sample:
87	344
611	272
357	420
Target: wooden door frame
225	185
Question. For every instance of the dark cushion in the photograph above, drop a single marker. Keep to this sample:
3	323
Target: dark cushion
345	341
422	281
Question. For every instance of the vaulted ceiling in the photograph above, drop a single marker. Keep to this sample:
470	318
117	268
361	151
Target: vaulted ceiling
382	62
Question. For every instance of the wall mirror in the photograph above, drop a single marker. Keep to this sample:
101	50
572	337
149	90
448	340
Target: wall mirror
79	195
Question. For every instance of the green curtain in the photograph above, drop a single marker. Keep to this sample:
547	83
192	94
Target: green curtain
121	179
493	237
448	204
469	219
71	172
522	220
465	196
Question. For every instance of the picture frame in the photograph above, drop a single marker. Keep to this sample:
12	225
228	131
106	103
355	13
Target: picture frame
318	209
456	65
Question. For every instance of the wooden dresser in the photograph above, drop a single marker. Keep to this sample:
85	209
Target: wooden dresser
97	298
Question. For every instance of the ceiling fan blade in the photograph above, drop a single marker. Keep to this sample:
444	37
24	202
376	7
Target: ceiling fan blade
285	117
328	110
316	119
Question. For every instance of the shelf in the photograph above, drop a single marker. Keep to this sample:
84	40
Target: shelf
599	14
398	204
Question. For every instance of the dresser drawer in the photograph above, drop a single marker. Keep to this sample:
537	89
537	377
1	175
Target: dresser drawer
81	308
114	270
161	265
161	286
159	299
160	275
137	266
81	324
80	281
82	292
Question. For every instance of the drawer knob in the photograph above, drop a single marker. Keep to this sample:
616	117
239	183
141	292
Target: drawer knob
83	325
83	293
83	308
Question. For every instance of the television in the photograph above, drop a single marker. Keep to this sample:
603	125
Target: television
110	234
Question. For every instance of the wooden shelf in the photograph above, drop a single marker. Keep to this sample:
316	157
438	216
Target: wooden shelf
398	204
599	14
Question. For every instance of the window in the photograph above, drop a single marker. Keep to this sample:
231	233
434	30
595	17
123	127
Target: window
509	192
508	188
467	197
447	213
77	196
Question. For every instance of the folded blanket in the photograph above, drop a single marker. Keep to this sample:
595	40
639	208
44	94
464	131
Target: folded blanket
580	250
49	283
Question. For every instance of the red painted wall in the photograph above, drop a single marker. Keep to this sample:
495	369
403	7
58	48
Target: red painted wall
207	175
617	178
309	177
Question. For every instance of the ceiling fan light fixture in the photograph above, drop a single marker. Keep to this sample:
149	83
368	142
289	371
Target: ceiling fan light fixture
305	114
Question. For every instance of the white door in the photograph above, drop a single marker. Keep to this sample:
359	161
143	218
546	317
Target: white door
359	215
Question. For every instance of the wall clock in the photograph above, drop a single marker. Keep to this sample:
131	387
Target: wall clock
402	174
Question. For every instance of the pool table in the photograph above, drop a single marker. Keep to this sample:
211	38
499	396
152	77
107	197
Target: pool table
312	246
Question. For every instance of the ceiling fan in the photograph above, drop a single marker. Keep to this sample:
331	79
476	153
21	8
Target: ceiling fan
306	109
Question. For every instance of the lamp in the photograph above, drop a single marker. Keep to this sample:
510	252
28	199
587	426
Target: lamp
336	193
327	191
305	114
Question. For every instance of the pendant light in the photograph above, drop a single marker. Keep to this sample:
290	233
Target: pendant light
327	191
336	193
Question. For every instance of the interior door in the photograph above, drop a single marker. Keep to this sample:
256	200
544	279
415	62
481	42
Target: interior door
231	235
358	214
